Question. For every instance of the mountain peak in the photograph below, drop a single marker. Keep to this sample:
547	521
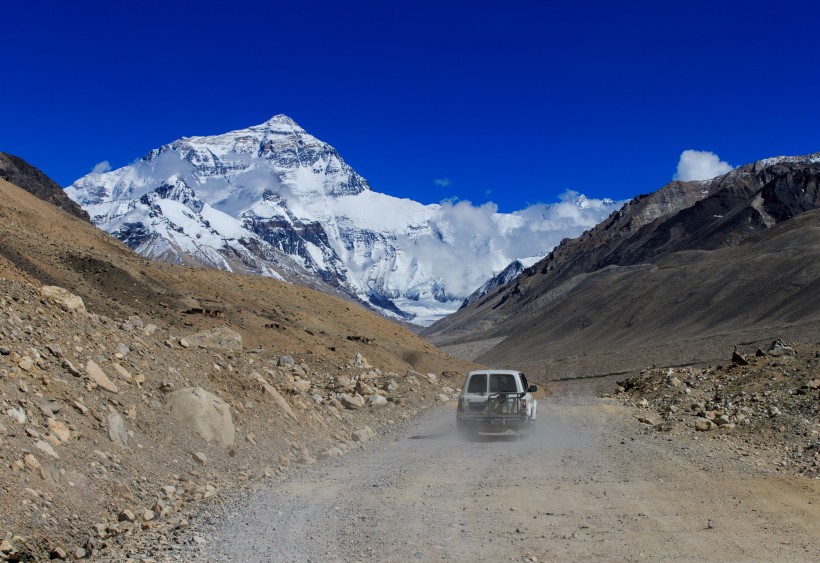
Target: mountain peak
281	122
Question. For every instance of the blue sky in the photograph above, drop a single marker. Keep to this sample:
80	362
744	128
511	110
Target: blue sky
510	102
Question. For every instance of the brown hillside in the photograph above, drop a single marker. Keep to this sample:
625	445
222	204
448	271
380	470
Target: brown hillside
91	450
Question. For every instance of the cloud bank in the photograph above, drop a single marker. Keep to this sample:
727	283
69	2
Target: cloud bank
471	243
700	165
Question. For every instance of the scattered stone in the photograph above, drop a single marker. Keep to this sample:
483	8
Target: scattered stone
65	299
116	430
31	462
362	435
148	515
285	362
442	398
126	516
98	376
200	458
704	425
17	415
58	553
46	448
378	401
352	402
779	349
203	412
122	372
739	359
220	338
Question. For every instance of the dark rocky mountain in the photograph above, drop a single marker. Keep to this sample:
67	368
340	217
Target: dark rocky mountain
505	276
17	171
694	260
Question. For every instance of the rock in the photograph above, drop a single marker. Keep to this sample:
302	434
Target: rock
359	361
331	453
126	516
97	375
704	425
362	435
122	372
773	411
148	515
122	491
271	392
69	367
31	462
17	415
62	297
48	408
779	349
301	386
442	398
203	412
739	359
352	402
722	420
26	364
220	338
285	362
813	384
183	343
59	429
377	401
200	458
58	553
116	430
643	403
432	378
80	407
46	448
79	553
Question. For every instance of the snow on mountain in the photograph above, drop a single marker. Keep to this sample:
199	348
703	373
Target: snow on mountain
505	276
273	200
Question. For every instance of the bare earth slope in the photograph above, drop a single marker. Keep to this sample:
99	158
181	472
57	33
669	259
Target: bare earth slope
91	450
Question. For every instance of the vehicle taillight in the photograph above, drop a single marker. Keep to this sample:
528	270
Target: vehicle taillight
523	404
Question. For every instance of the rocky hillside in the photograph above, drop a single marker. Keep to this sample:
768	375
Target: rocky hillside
20	173
763	403
137	391
694	261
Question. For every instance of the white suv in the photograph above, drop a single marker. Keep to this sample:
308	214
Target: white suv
496	400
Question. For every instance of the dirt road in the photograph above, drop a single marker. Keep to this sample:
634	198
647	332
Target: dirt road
591	485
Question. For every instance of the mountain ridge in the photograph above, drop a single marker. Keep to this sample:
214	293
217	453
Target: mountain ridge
273	200
680	227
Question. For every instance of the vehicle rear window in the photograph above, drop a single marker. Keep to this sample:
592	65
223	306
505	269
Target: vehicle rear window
502	383
478	383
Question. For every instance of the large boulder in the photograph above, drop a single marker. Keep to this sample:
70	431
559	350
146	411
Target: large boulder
64	298
220	338
204	413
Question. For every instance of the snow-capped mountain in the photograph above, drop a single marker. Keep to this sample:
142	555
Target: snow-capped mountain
505	276
274	200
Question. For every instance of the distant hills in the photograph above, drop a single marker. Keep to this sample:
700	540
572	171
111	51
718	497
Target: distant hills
676	275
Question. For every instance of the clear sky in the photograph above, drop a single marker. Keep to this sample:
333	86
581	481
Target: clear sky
513	102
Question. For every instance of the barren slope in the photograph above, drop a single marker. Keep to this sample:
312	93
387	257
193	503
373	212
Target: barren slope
86	461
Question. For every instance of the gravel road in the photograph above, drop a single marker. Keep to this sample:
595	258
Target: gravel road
592	484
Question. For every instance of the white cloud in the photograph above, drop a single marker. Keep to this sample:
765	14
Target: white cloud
700	165
101	168
443	182
470	243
